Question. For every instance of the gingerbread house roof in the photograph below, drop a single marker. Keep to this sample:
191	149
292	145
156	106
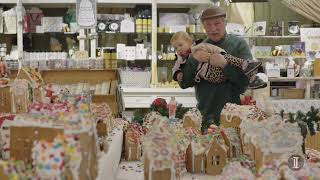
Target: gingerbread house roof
192	118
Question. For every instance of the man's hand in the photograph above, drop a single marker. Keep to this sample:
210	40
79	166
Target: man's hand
179	76
207	48
217	60
201	56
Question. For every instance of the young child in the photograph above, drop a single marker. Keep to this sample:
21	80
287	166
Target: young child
3	68
182	41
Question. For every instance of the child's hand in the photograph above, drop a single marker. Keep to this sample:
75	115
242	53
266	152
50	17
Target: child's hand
179	76
201	56
217	60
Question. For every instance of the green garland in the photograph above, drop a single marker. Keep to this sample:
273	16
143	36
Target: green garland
305	121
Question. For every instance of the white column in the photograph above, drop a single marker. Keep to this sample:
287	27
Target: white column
93	42
154	68
307	93
82	39
19	31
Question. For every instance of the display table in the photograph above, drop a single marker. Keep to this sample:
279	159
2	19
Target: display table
134	171
142	97
109	162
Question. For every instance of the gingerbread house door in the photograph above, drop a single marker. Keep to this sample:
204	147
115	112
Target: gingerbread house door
216	159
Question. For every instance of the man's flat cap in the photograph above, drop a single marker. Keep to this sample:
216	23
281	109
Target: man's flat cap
213	12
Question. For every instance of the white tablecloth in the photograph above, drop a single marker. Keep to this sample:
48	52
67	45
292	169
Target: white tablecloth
109	162
134	171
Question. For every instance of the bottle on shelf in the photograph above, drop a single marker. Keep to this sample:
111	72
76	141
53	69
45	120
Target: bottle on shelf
139	23
172	106
149	23
144	22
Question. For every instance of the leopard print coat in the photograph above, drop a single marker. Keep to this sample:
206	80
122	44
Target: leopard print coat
215	74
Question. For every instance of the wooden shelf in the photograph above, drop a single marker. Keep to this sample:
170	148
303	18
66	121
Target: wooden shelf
124	33
181	3
272	37
72	76
167	33
74	1
293	79
274	57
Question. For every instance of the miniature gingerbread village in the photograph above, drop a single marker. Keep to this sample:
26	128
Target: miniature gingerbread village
59	135
247	145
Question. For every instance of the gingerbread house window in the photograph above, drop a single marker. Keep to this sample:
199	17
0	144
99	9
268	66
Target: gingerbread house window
216	160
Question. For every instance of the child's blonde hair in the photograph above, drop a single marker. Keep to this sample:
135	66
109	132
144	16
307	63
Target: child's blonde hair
181	35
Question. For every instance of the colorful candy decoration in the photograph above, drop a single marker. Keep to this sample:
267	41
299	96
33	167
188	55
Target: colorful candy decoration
49	158
73	154
17	170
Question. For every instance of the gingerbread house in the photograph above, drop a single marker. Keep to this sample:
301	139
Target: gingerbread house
192	119
151	118
132	141
195	163
207	153
233	115
164	148
102	115
35	81
5	100
21	95
232	141
268	140
216	158
45	124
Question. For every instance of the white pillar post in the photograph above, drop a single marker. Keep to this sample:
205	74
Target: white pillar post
19	30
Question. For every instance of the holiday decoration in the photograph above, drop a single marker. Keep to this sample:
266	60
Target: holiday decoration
160	105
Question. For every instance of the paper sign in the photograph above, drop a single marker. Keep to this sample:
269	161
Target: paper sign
311	37
86	13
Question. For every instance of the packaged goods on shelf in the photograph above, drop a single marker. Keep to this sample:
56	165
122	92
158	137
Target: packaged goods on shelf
131	78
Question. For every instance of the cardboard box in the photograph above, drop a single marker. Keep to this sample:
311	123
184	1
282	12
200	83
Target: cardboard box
292	93
316	68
